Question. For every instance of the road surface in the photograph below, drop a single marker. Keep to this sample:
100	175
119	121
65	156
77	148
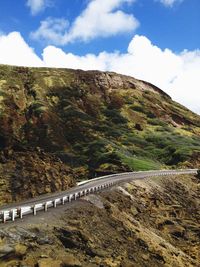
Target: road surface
44	202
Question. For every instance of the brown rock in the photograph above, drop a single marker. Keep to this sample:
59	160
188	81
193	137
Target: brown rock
126	263
20	250
70	260
49	263
6	250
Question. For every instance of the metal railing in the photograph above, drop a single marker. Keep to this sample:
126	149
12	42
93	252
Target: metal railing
86	188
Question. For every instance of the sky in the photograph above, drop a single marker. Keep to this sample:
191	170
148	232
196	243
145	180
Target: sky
153	40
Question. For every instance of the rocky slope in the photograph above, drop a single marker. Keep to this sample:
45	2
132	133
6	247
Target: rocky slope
29	174
73	124
153	222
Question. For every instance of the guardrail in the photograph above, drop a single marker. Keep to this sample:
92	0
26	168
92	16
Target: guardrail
90	186
128	173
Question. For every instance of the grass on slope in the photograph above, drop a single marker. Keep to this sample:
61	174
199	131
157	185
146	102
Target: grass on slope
140	164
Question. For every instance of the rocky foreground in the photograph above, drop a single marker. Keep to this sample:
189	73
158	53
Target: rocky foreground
153	222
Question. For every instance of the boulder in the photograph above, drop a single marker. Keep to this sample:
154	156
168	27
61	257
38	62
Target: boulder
70	260
6	250
49	263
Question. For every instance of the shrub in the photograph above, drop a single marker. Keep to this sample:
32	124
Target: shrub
137	140
113	132
156	121
37	108
115	116
116	100
138	127
92	105
150	115
180	155
138	108
72	113
164	128
147	92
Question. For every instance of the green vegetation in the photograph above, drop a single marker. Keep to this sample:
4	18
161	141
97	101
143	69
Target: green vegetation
37	108
142	164
155	121
114	116
95	123
138	108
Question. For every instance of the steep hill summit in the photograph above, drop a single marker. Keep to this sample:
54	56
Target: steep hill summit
94	122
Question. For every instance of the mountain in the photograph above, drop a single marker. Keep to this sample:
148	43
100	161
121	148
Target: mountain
58	126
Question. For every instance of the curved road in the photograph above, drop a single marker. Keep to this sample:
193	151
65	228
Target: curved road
18	210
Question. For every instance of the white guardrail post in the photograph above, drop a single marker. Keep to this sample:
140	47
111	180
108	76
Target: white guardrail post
18	212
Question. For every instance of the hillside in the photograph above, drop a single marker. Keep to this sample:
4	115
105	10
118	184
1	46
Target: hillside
148	223
94	122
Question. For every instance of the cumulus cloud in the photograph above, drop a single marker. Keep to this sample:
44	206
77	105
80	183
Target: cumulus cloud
51	30
36	6
169	3
185	87
15	51
101	18
176	74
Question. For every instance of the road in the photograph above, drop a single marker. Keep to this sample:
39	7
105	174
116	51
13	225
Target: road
44	202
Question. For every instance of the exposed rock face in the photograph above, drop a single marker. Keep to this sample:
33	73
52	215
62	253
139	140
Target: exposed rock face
95	122
152	222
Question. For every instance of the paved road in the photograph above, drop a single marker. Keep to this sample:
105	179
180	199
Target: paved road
18	210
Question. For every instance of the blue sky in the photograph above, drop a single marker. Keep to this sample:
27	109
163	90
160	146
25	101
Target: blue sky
175	27
154	40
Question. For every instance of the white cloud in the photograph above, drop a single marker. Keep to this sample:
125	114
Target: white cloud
185	87
36	6
100	19
176	74
169	3
51	30
15	51
56	57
